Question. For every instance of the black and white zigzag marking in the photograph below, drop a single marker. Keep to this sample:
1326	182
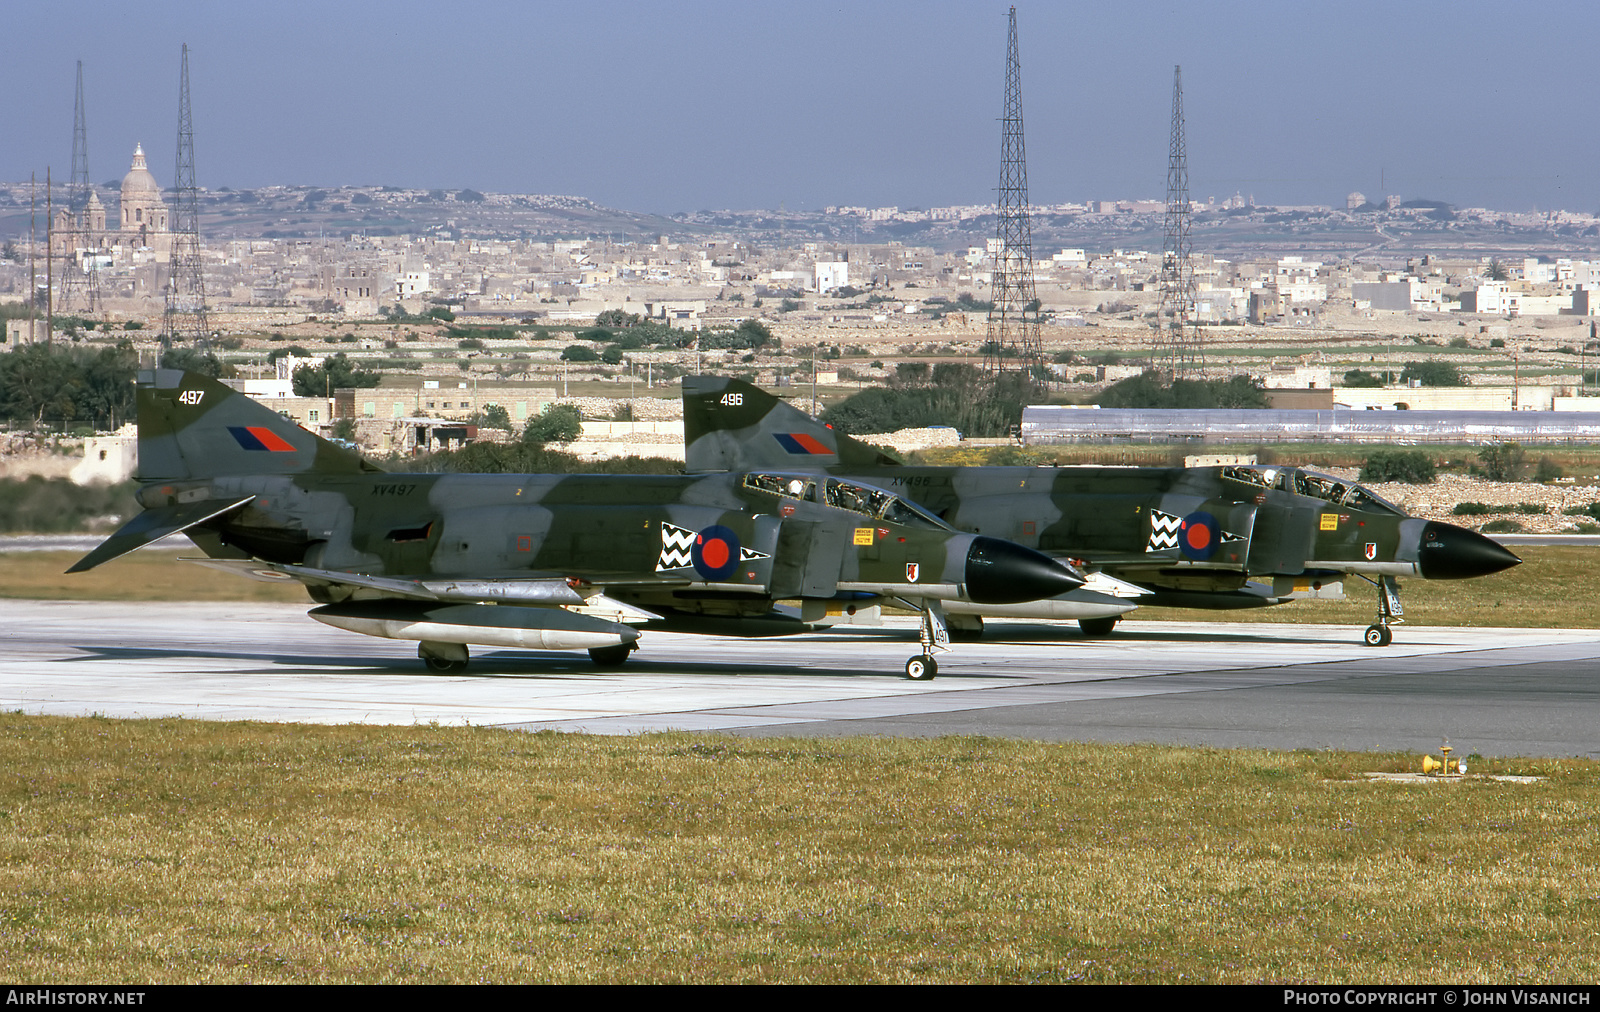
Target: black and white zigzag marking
749	554
1163	531
675	545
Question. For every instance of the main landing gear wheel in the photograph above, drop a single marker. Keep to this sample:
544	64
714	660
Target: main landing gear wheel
611	657
444	659
965	628
1095	628
1379	636
921	668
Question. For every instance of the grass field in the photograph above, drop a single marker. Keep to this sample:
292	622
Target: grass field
140	576
1554	588
173	851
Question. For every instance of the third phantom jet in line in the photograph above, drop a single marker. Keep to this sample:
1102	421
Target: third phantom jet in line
1193	537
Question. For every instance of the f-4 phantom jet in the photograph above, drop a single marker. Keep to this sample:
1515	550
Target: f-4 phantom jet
543	562
1196	537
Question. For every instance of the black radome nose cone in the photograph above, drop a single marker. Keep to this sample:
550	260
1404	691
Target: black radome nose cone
999	572
1449	552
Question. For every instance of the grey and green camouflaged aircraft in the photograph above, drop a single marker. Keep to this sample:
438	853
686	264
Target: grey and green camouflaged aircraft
1193	537
543	562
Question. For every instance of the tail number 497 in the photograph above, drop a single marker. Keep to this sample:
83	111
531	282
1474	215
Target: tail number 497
191	396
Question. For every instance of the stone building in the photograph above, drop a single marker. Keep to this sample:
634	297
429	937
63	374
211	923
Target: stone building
143	220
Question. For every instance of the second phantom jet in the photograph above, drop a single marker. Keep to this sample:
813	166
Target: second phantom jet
1192	537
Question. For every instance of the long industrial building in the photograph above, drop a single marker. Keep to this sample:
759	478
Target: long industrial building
1044	424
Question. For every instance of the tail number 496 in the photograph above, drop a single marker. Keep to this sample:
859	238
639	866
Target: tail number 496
731	400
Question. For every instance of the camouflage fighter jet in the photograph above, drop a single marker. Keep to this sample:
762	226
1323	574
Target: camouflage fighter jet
1197	537
542	562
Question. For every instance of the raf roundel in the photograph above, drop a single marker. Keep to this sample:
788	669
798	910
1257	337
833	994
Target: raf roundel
1199	536
715	552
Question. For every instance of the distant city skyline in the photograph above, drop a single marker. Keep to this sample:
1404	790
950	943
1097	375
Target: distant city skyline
714	104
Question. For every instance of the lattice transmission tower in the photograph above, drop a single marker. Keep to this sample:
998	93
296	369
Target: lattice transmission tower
186	285
80	276
1013	346
1178	352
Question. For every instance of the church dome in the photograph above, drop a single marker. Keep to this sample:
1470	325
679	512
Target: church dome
139	180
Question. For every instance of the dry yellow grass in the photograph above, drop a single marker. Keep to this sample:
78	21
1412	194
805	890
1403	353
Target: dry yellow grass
140	576
1554	588
169	851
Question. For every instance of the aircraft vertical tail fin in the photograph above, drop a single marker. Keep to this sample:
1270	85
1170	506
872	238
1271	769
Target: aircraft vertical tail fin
730	425
191	426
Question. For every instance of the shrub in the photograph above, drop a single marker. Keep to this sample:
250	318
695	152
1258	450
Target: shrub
1433	374
1149	390
1501	527
54	505
1472	509
558	423
1414	467
1502	461
1547	471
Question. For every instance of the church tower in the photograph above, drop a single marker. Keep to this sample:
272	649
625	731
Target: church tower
143	213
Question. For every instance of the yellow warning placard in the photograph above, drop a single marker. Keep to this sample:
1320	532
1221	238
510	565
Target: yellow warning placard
863	536
1330	522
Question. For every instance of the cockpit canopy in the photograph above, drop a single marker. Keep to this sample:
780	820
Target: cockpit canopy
867	500
1317	486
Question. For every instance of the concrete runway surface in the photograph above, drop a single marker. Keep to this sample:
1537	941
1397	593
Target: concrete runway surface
1492	691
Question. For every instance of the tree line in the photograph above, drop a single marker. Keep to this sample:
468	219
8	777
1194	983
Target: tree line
67	385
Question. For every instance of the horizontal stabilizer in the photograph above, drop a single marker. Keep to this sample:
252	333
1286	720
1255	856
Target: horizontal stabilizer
153	525
1104	583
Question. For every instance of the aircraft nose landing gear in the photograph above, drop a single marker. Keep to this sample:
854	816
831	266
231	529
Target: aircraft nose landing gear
1389	610
935	636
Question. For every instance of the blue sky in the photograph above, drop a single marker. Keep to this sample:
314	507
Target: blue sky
678	106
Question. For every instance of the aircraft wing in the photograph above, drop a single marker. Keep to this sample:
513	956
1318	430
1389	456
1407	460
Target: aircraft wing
533	589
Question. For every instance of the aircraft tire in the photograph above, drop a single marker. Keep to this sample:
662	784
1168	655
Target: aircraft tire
967	633
921	668
1378	636
440	664
1097	628
610	657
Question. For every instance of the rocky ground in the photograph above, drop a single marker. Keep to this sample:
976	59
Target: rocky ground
1438	500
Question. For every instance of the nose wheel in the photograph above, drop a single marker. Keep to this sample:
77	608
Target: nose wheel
1378	633
935	635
